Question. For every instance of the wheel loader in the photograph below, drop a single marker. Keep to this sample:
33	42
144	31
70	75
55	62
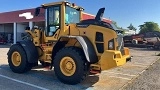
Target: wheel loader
73	46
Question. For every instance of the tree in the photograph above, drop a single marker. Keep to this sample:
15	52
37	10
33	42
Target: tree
115	23
122	31
131	27
149	27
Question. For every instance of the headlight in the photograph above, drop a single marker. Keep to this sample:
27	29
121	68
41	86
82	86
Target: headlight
111	44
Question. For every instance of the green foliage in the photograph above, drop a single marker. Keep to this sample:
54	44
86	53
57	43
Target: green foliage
131	27
149	27
123	32
115	23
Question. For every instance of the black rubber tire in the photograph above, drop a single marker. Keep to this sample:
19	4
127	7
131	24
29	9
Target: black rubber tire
24	65
82	66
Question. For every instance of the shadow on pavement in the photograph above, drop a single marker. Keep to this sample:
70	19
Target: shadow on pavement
135	45
143	49
48	77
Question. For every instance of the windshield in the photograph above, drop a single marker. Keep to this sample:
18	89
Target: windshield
72	15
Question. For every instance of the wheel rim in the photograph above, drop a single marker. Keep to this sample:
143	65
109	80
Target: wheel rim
16	58
67	66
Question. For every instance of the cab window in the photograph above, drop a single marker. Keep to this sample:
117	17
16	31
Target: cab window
53	20
72	15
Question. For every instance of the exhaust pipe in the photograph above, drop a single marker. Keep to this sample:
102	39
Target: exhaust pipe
100	14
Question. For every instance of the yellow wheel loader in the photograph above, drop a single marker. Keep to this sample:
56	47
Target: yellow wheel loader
71	45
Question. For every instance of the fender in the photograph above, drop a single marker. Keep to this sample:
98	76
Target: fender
86	44
30	49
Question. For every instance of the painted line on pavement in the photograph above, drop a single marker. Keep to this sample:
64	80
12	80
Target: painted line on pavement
120	77
138	65
23	82
142	64
120	73
41	76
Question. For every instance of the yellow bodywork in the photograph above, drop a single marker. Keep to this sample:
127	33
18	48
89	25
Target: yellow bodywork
106	60
111	58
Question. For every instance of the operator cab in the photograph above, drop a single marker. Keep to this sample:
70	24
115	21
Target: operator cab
58	15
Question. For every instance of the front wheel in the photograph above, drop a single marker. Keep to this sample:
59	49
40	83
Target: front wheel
70	65
17	59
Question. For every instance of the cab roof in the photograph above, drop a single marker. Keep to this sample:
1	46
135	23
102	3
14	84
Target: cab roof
53	3
60	3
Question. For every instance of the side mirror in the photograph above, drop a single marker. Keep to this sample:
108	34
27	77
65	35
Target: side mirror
37	11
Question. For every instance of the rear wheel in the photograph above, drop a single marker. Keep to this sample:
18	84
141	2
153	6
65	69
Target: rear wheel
70	65
17	59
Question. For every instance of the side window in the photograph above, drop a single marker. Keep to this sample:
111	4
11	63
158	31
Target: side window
53	20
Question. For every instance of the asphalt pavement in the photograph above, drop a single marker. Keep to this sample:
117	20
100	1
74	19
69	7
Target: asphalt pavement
40	78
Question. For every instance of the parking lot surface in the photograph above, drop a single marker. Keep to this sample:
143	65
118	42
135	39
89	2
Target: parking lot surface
43	79
148	80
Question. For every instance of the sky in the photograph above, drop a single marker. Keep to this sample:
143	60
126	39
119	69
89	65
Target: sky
124	12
